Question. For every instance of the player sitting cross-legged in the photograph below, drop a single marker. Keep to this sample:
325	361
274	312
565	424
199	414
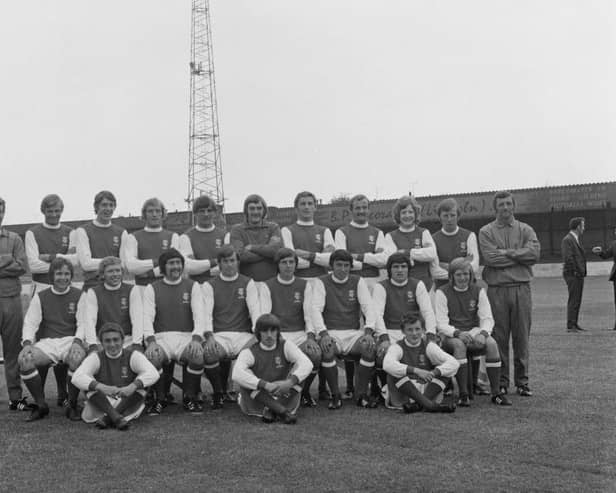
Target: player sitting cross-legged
114	379
418	370
270	373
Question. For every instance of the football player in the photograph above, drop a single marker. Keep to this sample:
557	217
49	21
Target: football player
270	373
418	370
52	334
464	321
290	299
114	380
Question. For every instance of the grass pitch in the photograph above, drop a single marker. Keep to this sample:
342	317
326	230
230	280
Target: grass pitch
561	439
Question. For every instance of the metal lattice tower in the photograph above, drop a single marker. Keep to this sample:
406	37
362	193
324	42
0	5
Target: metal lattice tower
204	166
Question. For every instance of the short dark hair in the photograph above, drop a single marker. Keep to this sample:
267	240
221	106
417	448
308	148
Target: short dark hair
284	253
302	195
204	202
56	264
397	258
574	222
166	256
102	195
447	205
411	318
503	194
50	200
226	251
110	327
267	321
402	203
340	254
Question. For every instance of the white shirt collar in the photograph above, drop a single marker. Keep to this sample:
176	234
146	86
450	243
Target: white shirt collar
49	226
338	281
206	230
286	283
100	225
172	283
305	223
153	230
359	226
399	284
407	230
55	291
112	288
229	279
450	234
409	344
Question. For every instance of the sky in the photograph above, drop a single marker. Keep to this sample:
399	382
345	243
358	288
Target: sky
332	96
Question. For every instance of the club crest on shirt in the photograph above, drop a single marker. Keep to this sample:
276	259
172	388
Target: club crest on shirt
422	359
71	308
218	242
297	297
165	244
371	240
185	297
410	296
472	305
417	243
351	295
65	241
278	362
124	372
463	248
240	294
123	303
317	238
116	241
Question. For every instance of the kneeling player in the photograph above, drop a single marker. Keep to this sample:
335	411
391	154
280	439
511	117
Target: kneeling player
339	299
290	299
418	370
464	320
269	374
52	321
173	311
114	379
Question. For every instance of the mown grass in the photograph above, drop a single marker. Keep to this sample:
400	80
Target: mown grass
562	439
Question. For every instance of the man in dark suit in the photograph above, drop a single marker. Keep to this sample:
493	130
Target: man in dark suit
609	252
574	271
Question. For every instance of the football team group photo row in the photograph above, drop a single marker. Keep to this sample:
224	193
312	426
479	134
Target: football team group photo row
253	314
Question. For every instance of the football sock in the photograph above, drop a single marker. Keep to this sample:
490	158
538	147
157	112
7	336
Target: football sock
308	382
408	389
213	375
43	374
73	393
130	403
33	382
475	364
462	377
61	372
365	370
322	381
191	379
166	380
225	369
493	369
433	389
349	369
330	371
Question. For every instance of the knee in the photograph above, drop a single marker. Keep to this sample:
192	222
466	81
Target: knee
26	360
491	348
75	356
315	359
156	355
458	348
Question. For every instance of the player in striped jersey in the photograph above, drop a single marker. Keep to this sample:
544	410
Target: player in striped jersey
465	323
53	333
290	299
44	242
201	243
411	239
231	308
114	380
99	238
143	247
451	242
312	243
270	373
173	318
418	370
340	298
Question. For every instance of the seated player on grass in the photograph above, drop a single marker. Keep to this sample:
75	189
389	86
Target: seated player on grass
270	373
339	300
290	299
52	335
173	316
464	322
114	379
418	370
